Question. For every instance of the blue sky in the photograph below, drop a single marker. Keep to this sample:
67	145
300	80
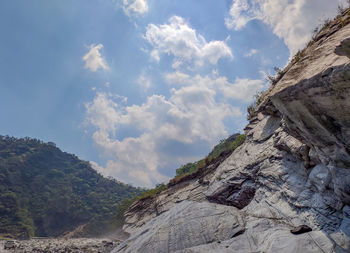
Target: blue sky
139	87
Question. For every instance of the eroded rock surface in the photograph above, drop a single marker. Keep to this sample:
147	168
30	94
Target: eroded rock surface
185	225
293	170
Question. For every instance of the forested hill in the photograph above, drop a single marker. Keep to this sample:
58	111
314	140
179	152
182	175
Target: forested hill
46	192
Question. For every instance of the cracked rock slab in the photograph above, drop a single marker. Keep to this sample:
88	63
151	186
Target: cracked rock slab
186	225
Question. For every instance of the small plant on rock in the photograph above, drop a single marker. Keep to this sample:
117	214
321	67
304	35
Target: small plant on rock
251	109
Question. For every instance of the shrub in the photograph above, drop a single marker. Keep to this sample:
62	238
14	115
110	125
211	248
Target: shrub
186	169
153	192
251	109
224	147
298	56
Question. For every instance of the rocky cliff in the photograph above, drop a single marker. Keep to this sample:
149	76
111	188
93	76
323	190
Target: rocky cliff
287	188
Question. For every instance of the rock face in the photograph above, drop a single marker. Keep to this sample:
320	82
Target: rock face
292	173
186	225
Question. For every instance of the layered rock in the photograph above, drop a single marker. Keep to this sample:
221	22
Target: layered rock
292	172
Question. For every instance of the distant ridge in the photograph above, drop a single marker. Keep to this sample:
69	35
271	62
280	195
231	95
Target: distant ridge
46	192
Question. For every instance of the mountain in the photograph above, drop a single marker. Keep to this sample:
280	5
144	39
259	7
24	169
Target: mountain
286	188
47	192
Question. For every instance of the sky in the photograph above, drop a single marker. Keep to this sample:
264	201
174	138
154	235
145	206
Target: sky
141	87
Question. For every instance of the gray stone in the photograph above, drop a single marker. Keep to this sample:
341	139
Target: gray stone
185	225
342	236
54	245
9	245
320	177
343	48
341	183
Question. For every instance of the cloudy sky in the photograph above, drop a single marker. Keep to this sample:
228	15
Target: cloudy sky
139	87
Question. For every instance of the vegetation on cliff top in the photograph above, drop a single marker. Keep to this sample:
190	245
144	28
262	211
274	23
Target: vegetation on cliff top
225	147
46	192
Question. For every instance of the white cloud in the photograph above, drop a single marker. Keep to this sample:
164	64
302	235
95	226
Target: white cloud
94	60
177	38
242	89
251	53
291	20
175	65
177	78
144	81
105	113
240	13
135	7
191	115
